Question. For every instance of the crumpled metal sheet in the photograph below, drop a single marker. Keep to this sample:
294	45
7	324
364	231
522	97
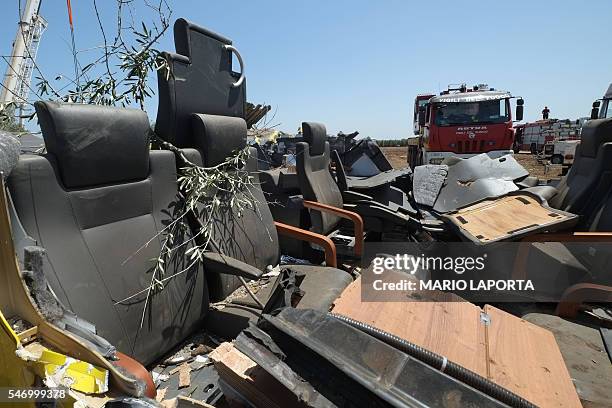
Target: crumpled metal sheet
476	178
483	166
427	180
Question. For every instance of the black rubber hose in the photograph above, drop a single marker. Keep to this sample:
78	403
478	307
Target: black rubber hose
440	363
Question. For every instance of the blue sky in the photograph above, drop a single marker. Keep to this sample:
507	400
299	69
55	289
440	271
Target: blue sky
357	65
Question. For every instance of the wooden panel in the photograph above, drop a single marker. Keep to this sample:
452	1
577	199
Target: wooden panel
491	220
511	352
526	359
451	329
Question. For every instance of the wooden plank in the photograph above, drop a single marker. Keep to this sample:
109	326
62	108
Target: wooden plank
28	334
511	352
184	375
451	329
526	359
492	220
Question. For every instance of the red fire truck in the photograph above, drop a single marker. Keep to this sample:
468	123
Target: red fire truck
463	122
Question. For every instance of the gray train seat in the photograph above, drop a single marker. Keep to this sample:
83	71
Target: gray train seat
252	237
202	115
317	184
93	202
187	91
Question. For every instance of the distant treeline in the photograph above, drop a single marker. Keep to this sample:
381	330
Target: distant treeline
393	143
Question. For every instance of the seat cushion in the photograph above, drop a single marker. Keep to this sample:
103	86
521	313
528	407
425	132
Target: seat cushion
321	285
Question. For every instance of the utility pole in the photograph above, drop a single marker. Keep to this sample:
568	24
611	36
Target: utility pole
18	77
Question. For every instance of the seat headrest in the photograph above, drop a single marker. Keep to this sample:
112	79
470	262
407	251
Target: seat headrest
94	144
218	137
595	133
315	135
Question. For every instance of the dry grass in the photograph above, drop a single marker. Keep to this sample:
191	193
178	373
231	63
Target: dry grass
397	157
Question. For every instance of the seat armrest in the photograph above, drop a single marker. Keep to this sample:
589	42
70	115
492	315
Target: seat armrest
340	212
309	236
570	237
223	264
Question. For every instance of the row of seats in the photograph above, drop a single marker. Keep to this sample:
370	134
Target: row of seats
99	201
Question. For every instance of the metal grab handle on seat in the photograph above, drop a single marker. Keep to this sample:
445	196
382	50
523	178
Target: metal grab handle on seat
233	49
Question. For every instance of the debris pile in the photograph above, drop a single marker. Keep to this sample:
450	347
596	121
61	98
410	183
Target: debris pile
18	324
255	113
533	136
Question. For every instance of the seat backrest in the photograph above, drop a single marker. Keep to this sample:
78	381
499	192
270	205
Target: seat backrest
248	235
98	202
316	181
591	171
201	112
201	80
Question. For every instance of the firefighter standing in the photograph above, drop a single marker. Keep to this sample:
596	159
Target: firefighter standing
545	112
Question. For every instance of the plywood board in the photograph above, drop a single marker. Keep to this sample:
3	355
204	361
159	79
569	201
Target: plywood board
451	329
509	351
503	218
526	359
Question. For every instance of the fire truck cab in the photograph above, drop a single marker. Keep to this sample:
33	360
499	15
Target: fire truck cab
462	122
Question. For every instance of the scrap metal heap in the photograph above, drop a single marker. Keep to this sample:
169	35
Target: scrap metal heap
255	113
277	312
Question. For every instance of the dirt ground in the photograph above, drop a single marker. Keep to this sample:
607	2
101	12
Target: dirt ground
398	156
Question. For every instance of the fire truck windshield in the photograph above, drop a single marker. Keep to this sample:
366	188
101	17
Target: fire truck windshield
467	113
